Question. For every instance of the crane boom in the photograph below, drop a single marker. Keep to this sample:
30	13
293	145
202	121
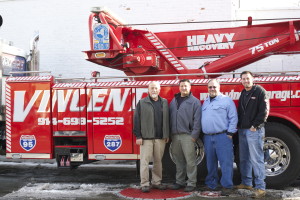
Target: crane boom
141	52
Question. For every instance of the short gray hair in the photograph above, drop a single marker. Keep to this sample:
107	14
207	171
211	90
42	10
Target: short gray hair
154	83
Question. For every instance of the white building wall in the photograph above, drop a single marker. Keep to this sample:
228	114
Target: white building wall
270	9
63	27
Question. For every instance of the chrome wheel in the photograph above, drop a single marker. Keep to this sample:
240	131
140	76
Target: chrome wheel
277	156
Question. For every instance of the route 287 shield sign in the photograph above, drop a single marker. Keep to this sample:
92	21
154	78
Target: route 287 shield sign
112	142
27	142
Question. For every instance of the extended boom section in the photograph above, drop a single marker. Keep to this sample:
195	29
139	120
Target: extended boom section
141	52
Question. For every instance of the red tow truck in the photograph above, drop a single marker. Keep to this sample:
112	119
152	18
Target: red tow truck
85	121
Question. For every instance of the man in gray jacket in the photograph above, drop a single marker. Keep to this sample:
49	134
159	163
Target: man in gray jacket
151	128
185	114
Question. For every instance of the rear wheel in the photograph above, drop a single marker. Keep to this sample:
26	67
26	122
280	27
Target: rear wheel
282	151
169	165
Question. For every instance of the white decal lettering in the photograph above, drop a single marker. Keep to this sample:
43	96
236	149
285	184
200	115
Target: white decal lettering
44	101
190	41
75	100
73	121
19	112
115	98
283	95
210	42
210	39
97	99
263	46
54	99
229	36
62	101
219	37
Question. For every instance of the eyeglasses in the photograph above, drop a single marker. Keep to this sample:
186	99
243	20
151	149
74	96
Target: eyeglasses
211	87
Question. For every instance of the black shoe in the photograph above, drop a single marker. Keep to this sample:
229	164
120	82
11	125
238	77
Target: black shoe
226	191
160	187
145	189
206	188
189	189
175	186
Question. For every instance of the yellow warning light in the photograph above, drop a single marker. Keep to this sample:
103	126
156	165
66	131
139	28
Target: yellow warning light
100	55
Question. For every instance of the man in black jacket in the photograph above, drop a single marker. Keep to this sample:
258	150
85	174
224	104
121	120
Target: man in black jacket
252	113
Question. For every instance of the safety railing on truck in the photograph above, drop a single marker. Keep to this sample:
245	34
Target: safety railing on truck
176	76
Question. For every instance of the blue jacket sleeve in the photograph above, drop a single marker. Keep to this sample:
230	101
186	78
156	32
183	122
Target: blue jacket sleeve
197	120
232	117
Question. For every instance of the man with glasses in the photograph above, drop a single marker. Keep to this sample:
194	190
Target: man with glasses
185	123
219	122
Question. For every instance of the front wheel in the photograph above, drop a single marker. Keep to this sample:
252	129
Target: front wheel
282	151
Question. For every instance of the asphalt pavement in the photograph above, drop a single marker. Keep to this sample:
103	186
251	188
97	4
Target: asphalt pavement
41	179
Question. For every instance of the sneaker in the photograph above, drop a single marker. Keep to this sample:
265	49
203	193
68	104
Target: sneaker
189	189
175	186
145	189
242	186
258	193
226	191
160	187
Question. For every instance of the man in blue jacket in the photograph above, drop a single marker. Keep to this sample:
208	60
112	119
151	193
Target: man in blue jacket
185	123
219	122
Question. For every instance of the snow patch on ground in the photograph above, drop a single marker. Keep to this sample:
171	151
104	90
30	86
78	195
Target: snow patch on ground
285	194
86	191
63	190
77	190
290	194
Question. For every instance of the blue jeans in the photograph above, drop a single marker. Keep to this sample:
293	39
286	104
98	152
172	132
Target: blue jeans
219	148
252	157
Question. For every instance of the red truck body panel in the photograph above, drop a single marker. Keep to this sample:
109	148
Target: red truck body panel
25	100
102	112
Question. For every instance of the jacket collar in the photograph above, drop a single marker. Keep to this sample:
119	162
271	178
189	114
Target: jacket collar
148	98
252	89
178	95
217	98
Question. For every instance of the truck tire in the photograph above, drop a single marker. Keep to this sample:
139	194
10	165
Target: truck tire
282	162
169	168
